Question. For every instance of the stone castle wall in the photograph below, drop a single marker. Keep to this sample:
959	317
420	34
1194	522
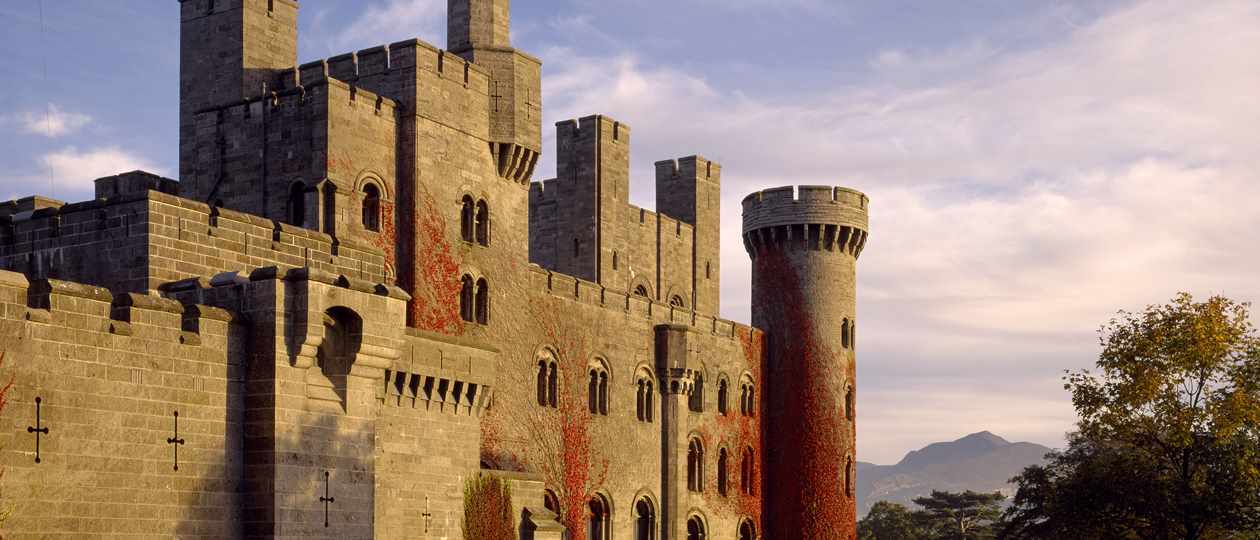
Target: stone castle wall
319	356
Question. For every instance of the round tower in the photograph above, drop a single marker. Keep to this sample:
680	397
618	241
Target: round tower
804	243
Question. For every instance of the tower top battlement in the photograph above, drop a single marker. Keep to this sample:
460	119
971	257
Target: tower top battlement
805	205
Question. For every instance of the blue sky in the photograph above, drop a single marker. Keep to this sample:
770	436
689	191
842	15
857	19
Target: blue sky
1033	167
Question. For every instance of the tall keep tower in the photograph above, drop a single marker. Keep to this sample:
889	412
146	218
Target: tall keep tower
480	32
230	50
804	243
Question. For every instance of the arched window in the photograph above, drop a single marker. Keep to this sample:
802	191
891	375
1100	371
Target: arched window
848	402
722	396
638	401
677	301
747	472
641	291
695	465
577	247
343	334
747	531
848	476
644	400
722	472
547	381
552	385
483	223
542	382
603	393
597	390
466	298
482	302
708	270
466	219
599	519
747	401
696	401
371	207
644	519
695	528
844	333
615	261
297	204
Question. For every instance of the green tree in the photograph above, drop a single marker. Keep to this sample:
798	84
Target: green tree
889	521
488	508
959	516
1168	441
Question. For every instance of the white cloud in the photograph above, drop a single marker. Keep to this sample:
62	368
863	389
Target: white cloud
1019	197
73	171
51	123
394	20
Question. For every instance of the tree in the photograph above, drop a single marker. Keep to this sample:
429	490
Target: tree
488	508
889	521
959	516
1168	441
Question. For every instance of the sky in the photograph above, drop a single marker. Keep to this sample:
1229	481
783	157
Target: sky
1033	167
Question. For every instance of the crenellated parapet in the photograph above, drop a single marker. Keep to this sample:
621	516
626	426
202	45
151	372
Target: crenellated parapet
806	217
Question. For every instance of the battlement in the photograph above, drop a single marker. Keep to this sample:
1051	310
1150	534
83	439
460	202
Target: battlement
690	167
134	239
589	126
817	217
590	293
88	308
383	60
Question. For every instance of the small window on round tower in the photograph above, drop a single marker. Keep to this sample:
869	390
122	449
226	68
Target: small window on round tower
371	208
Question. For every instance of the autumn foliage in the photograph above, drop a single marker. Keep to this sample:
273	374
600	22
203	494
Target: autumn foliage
807	495
434	283
559	443
488	508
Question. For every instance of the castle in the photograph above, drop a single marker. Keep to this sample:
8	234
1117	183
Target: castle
355	298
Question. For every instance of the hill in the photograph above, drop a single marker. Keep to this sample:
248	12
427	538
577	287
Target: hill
980	462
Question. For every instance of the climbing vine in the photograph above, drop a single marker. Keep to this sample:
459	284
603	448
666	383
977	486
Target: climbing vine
434	283
488	508
561	444
815	501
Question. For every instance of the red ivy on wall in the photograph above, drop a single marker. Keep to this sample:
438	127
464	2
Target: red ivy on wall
815	442
557	443
738	433
434	283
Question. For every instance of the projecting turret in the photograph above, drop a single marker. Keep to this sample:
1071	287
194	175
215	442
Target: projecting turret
804	243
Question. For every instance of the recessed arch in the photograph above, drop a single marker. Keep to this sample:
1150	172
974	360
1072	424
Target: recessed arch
723	393
547	377
695	464
297	210
697	526
343	337
599	517
372	177
723	471
644	514
467	217
481	223
371	215
599	381
641	287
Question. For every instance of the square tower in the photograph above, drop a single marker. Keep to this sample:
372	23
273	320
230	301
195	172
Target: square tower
230	50
689	190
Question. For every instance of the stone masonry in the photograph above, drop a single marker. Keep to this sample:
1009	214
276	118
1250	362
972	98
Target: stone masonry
355	298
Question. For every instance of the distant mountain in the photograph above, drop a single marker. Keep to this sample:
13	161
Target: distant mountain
980	462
